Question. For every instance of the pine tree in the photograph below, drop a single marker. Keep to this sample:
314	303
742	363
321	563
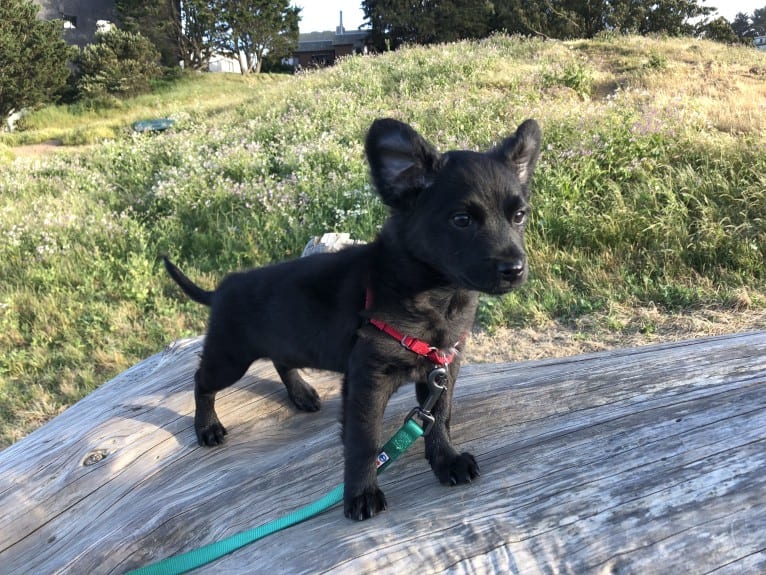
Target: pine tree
157	20
33	57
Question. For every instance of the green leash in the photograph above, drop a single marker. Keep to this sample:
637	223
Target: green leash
177	564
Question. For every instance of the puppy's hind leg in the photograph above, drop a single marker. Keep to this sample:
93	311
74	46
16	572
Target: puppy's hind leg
303	396
209	379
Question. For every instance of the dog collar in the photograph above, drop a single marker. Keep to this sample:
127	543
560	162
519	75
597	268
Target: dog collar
439	357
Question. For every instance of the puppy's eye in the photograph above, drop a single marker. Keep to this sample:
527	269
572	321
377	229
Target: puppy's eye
461	220
519	217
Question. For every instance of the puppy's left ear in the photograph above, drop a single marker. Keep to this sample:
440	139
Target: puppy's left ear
402	162
521	151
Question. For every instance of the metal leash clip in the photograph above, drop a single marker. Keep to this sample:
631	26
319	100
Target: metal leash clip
426	419
437	383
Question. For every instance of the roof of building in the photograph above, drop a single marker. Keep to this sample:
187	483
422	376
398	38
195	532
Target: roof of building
316	41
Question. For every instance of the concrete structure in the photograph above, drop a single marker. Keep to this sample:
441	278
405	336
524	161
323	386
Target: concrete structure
219	63
82	18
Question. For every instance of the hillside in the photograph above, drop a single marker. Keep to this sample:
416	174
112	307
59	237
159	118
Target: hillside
650	198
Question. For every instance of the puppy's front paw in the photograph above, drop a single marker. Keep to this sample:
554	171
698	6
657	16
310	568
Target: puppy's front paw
210	434
457	470
305	398
366	505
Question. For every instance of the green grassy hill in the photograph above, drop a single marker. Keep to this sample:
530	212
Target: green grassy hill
651	190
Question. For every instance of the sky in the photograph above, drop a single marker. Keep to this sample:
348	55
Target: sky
729	8
321	15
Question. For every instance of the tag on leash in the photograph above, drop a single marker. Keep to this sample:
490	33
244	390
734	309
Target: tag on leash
382	459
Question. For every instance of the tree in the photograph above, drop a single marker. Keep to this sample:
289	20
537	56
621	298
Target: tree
118	63
196	32
673	17
249	29
157	20
397	22
184	31
742	25
759	22
550	18
720	30
33	57
461	19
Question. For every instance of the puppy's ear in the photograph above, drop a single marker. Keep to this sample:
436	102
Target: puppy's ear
521	150
401	162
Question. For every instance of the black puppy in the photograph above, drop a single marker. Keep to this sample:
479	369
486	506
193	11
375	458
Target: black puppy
456	228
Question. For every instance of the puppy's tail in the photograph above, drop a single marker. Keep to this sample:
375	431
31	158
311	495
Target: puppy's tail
189	287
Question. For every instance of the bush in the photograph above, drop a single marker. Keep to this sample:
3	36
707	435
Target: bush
119	63
33	57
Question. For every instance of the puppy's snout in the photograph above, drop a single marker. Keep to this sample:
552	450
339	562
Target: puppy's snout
510	270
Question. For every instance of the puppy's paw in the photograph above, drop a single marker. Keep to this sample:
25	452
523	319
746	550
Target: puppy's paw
211	434
305	398
366	505
457	470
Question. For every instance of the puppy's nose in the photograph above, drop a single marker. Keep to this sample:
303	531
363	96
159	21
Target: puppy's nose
511	269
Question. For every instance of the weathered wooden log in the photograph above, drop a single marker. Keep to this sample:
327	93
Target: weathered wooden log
647	460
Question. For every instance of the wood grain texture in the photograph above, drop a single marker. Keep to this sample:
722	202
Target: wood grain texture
647	460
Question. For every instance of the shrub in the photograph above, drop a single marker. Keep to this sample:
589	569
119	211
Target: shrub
119	63
33	57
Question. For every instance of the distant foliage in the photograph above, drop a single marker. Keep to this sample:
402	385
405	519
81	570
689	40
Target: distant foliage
397	22
33	57
759	22
119	63
248	30
191	31
720	30
157	20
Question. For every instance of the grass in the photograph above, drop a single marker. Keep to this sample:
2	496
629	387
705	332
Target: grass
651	190
90	122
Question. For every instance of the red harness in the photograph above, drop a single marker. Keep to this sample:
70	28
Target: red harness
437	356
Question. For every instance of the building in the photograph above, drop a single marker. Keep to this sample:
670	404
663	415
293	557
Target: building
317	49
219	63
82	18
760	42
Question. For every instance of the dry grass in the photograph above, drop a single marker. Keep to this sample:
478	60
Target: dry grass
705	83
624	329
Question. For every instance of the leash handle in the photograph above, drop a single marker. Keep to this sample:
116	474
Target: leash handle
177	564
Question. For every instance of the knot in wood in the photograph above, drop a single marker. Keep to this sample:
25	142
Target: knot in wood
95	456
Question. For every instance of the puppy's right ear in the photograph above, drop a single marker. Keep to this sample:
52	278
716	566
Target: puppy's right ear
402	163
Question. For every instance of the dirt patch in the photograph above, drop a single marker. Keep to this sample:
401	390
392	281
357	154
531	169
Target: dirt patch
597	333
35	150
43	149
